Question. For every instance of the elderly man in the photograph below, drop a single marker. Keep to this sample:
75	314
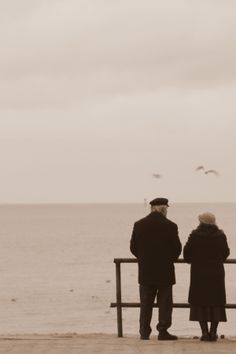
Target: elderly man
155	243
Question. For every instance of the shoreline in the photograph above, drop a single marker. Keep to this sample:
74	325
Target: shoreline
107	344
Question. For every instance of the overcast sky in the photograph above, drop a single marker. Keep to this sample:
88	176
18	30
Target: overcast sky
97	95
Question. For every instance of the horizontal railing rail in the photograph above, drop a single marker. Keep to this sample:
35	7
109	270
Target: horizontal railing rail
119	304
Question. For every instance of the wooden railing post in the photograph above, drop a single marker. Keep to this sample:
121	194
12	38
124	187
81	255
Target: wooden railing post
118	300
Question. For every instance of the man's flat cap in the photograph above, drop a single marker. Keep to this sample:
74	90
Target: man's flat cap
159	201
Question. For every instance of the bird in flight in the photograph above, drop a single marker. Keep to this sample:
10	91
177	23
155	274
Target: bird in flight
200	168
216	173
156	175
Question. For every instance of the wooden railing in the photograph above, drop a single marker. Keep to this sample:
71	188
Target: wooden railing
119	304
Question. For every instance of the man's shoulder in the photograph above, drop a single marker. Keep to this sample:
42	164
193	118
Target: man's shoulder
141	221
148	218
172	223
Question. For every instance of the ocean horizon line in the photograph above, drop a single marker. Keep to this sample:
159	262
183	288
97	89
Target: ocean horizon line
108	203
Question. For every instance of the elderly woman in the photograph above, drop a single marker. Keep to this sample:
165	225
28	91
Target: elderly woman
206	250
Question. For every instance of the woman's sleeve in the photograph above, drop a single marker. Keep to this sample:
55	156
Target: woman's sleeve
187	252
224	247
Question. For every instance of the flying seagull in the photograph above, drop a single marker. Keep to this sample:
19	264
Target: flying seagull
212	171
200	168
156	175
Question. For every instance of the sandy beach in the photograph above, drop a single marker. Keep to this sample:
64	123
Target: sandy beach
107	344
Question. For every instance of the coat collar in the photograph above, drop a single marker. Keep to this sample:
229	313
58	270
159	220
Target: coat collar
156	215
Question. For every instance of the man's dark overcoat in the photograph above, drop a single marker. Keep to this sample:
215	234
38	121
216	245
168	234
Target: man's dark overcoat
155	243
206	250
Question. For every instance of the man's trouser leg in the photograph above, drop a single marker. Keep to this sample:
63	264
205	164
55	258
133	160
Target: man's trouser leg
165	303
147	298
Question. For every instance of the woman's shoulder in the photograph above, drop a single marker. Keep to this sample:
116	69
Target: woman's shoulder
220	233
207	230
197	231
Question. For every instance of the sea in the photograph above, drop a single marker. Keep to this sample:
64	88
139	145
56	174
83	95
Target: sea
57	273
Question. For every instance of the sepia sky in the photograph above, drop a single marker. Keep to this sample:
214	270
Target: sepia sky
97	95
